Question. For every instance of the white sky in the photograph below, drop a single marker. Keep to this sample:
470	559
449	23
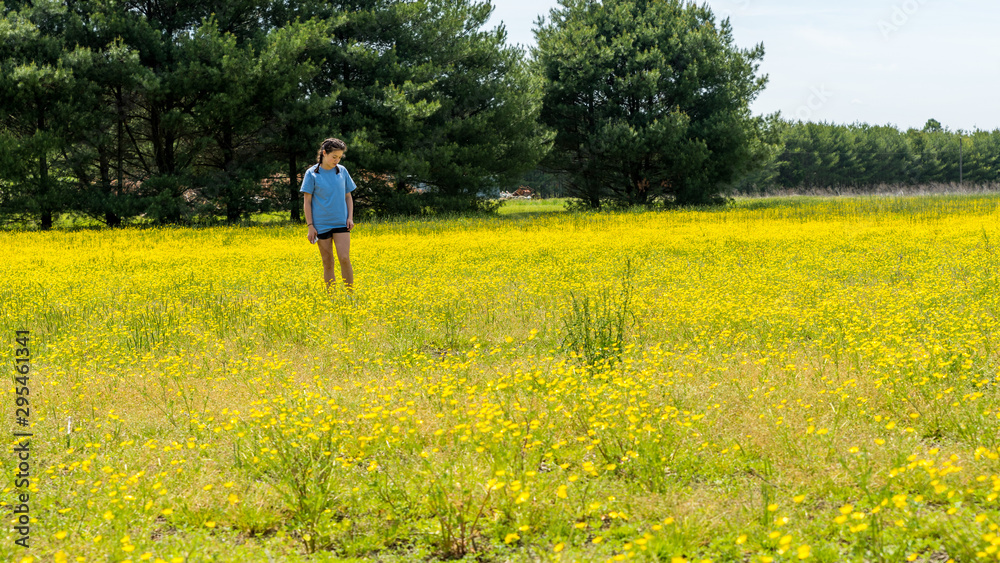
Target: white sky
897	62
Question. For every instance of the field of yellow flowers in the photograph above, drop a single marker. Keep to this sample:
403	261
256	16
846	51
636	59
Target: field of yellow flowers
779	380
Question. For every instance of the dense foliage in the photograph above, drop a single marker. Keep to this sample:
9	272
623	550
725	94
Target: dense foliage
860	156
175	109
650	101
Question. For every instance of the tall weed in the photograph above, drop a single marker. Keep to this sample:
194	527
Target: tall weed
597	327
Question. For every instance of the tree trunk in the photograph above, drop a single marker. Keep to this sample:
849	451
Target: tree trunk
155	135
293	188
43	177
234	209
121	154
111	219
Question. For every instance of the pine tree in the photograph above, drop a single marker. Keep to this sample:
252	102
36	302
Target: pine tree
650	101
432	100
36	82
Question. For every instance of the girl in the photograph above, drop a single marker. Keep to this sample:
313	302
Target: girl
329	209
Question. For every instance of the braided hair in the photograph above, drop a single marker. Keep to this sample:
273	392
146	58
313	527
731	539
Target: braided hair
328	146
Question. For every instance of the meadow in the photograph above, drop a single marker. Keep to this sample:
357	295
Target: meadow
780	380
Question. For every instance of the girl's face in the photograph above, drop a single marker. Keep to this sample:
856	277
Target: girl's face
332	158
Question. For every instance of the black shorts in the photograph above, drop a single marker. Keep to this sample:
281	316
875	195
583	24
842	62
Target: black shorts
329	234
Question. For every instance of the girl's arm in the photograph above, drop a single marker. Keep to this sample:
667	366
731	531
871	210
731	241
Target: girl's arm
350	210
307	200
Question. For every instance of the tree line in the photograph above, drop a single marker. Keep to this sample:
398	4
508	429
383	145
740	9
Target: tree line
175	110
860	156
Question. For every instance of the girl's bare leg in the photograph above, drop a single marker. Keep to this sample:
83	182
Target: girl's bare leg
326	253
343	244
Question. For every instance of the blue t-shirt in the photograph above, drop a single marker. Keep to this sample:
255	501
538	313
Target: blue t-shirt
328	189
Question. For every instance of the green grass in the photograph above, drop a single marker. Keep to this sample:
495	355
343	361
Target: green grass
519	206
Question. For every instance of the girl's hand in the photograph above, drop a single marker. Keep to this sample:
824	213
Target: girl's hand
311	235
350	223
